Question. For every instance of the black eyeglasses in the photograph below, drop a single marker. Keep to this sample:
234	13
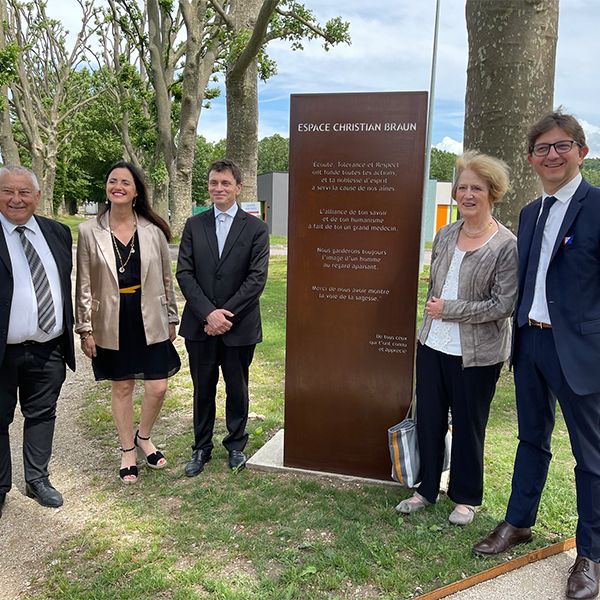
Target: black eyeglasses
561	147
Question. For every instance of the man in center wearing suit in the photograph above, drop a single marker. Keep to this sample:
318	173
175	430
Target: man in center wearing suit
222	271
36	329
556	352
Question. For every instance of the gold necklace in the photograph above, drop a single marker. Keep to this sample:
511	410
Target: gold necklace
477	234
131	247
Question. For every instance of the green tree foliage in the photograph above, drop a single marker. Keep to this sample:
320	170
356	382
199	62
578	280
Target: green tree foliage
591	170
441	167
273	154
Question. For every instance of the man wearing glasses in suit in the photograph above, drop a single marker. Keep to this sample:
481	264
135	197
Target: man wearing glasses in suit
556	353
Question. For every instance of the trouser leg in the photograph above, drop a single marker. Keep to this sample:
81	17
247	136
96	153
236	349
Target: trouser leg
536	405
235	364
432	417
473	390
204	369
40	383
8	403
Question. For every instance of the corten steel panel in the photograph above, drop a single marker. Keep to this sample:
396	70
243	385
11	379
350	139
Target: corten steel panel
356	179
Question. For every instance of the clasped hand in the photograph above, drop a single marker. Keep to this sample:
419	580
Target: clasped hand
434	307
217	322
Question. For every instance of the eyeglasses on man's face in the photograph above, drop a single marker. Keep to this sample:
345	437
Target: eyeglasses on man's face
561	147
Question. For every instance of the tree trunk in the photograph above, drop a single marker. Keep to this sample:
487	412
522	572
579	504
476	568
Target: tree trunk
37	166
196	73
49	179
242	127
241	89
510	83
8	147
159	198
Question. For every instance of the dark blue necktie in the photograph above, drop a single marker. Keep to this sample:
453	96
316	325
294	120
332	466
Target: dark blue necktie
532	263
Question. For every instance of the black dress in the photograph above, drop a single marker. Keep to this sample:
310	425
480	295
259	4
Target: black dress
134	359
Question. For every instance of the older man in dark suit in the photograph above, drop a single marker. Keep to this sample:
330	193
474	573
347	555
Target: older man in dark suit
557	343
222	271
36	328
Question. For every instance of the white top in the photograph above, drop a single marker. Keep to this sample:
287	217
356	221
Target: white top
539	307
23	322
444	336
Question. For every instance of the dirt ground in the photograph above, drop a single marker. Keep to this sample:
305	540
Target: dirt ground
28	531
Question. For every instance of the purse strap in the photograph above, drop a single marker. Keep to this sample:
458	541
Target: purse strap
411	413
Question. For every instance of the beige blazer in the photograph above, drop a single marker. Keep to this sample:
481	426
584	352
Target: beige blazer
97	288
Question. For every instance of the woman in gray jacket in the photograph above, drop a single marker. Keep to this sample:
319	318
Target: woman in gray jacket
465	336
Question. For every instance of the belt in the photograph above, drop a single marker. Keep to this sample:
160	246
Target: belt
534	323
34	343
132	289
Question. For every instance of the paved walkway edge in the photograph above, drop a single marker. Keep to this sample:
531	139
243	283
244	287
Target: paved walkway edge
507	567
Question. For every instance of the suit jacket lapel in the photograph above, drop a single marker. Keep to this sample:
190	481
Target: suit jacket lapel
525	237
145	245
55	244
238	224
4	255
104	241
572	211
208	222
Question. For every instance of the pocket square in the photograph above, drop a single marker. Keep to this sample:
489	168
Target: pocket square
568	240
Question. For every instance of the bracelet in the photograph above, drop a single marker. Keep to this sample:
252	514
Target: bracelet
85	335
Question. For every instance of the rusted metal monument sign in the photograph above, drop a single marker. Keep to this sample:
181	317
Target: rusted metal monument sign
356	180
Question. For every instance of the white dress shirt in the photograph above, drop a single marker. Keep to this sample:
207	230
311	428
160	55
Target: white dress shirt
539	307
23	322
230	212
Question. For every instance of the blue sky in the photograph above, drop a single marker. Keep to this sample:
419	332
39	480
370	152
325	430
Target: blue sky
391	51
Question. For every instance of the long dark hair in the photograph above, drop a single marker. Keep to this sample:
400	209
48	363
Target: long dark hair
141	206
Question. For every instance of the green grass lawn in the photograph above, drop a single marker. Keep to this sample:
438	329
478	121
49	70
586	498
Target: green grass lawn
72	222
277	536
278	240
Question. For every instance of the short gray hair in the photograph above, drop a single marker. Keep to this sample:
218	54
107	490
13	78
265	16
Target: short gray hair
19	169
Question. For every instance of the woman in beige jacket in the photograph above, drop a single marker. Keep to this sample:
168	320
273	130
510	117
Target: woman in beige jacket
465	336
125	309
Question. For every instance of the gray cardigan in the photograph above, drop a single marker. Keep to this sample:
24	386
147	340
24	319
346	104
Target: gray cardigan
487	292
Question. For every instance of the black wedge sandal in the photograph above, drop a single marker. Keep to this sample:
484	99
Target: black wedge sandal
153	459
128	471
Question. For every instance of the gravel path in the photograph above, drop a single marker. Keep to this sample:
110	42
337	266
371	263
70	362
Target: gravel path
28	531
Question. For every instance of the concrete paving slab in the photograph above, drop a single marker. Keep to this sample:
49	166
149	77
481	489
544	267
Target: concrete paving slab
542	580
270	458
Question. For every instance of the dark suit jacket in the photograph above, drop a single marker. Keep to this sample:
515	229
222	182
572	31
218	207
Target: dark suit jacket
572	286
60	241
234	282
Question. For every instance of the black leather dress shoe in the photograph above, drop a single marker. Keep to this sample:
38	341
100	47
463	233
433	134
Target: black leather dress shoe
44	492
237	460
196	465
505	536
583	580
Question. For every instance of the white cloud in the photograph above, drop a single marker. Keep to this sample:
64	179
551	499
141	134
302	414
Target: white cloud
592	136
449	145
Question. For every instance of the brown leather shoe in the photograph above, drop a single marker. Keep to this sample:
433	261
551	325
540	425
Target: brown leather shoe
583	579
505	536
